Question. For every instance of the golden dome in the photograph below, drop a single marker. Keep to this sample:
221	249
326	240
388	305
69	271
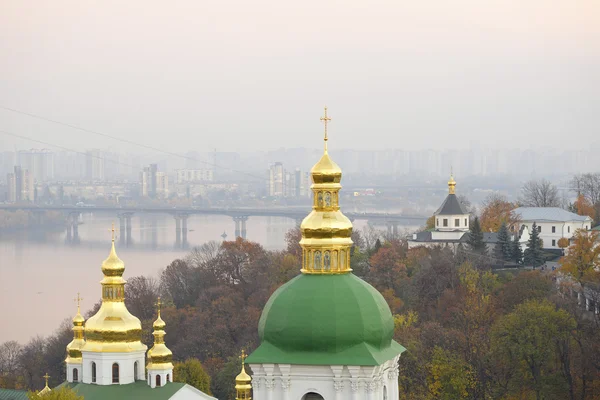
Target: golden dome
159	356
451	184
113	328
74	348
243	382
326	232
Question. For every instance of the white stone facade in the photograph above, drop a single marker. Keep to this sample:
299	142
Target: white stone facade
551	232
166	376
74	370
104	367
332	382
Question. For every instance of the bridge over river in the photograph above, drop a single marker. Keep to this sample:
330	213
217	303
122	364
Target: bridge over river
181	214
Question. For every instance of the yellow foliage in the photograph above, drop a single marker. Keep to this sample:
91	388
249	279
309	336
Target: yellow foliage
496	211
405	320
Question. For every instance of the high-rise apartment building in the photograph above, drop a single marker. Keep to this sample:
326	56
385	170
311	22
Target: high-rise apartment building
154	184
95	169
194	175
39	163
20	186
276	180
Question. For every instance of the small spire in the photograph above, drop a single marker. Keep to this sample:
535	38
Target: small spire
326	120
46	377
451	183
78	300
158	304
113	232
243	357
243	382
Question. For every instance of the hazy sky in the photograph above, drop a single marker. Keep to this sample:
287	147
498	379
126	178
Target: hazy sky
245	75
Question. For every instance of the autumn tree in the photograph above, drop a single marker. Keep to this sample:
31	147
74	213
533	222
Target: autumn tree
63	393
582	261
526	339
497	210
588	185
141	295
583	206
533	254
180	282
192	372
539	193
450	376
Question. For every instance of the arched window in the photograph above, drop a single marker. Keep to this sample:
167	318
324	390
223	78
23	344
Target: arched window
75	375
115	373
135	371
93	372
168	378
312	396
385	397
157	380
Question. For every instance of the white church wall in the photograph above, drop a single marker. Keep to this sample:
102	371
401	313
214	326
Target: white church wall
104	363
333	382
191	393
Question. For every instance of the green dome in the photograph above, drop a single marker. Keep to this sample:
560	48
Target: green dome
326	319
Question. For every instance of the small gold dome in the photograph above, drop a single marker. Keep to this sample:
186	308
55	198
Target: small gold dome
159	356
75	346
243	382
451	185
326	170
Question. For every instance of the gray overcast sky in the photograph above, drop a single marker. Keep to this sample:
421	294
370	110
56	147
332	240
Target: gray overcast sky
249	75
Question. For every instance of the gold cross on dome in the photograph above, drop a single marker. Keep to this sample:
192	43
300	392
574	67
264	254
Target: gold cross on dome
158	304
78	299
243	356
113	231
325	120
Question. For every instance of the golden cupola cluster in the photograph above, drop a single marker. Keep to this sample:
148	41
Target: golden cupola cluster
74	348
243	382
113	329
159	356
326	232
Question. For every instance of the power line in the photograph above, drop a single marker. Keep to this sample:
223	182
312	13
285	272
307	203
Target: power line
66	148
72	126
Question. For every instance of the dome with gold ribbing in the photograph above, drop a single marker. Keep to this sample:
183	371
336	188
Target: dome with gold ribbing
113	329
243	382
326	232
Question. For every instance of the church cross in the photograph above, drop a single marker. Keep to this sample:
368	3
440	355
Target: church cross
243	356
158	304
78	299
46	377
325	120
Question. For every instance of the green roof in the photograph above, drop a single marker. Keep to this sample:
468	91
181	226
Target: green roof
133	391
326	320
10	394
596	228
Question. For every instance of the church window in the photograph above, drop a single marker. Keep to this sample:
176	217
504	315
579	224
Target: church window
317	265
168	378
385	393
327	199
312	396
437	222
135	370
93	372
75	375
115	373
539	229
445	221
553	242
334	261
457	222
157	380
342	259
326	261
320	199
568	229
466	222
553	229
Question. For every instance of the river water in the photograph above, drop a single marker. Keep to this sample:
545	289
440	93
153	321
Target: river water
40	274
